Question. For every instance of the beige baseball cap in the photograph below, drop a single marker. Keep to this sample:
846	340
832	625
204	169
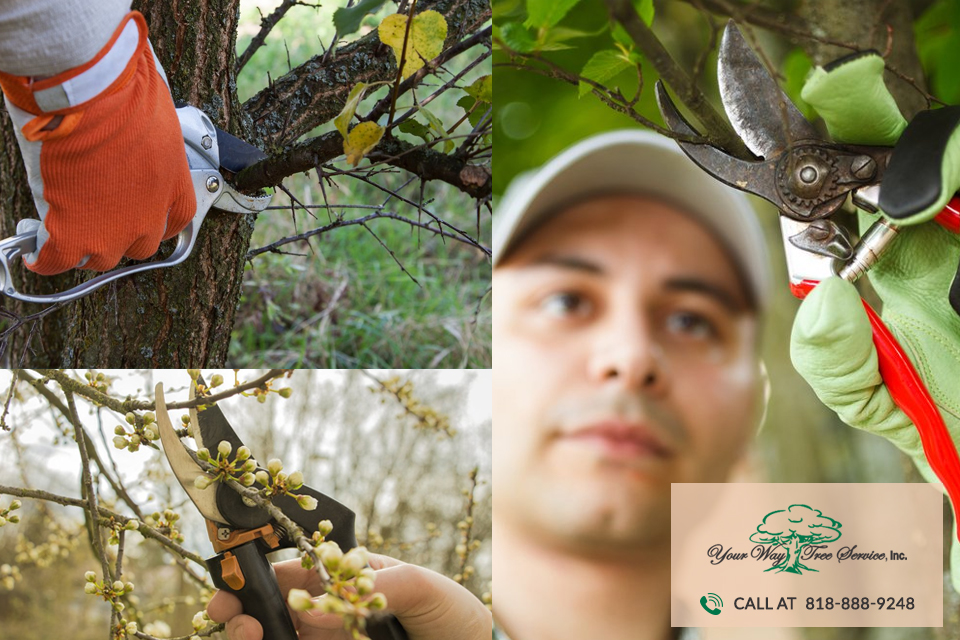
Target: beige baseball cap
641	162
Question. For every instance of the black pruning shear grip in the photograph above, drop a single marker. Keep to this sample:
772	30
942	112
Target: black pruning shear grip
808	178
243	535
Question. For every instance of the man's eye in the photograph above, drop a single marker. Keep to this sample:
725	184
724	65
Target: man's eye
691	324
566	304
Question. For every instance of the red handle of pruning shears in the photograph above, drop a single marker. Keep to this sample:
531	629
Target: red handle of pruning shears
908	390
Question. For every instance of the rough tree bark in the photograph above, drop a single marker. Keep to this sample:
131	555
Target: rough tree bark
183	316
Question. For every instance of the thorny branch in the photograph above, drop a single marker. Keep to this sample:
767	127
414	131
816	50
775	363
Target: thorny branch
266	25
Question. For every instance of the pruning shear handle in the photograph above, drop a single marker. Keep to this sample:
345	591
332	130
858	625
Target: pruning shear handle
203	144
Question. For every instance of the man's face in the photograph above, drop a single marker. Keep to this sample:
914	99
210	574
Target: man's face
625	360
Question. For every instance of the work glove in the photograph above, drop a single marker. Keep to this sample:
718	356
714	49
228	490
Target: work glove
832	345
104	155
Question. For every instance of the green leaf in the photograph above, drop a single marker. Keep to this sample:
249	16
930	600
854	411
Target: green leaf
645	10
467	102
348	19
547	13
415	128
481	89
436	125
516	36
620	36
602	66
795	68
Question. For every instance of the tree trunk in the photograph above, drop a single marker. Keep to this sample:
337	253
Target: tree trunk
869	24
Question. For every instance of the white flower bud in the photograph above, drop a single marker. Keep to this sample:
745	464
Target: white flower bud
224	448
243	453
119	430
15	505
250	465
274	466
135	440
216	380
131	628
127	587
149	418
131	418
132	525
355	560
199	620
90	588
193	373
3	521
364	585
117	586
263	478
299	600
295	480
203	454
378	602
330	554
248	479
325	527
307	503
90	576
120	442
202	482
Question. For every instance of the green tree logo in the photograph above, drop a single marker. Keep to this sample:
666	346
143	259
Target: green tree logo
794	528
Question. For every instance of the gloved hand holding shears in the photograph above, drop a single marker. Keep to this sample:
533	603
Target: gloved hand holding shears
831	345
114	168
905	387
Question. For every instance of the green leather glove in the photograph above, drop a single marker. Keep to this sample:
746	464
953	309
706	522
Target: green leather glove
832	345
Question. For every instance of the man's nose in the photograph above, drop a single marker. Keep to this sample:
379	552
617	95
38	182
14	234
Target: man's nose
626	353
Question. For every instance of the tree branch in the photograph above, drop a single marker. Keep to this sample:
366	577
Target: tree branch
314	92
105	516
716	129
125	406
473	180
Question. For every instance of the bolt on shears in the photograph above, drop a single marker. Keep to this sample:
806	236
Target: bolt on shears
210	152
809	178
243	534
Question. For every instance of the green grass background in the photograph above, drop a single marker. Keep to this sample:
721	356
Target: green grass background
346	302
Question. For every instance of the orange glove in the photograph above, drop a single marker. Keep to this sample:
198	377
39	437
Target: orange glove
104	155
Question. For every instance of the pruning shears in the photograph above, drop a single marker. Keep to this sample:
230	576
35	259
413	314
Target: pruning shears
243	535
809	178
211	152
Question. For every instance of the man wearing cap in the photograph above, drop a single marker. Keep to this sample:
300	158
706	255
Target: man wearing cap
627	286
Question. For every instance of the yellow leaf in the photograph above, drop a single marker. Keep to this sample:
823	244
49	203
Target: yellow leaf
425	42
361	141
342	121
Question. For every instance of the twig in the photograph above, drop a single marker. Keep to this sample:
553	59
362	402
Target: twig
336	224
403	60
125	406
266	25
718	130
106	515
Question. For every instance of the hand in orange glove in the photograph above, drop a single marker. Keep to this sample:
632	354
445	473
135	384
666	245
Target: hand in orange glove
104	155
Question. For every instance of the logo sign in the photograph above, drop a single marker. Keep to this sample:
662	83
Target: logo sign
806	555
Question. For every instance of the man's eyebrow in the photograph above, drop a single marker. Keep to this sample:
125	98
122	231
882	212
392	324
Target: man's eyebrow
715	291
570	262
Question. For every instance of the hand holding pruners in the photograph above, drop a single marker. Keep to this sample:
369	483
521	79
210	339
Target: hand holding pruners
910	394
243	534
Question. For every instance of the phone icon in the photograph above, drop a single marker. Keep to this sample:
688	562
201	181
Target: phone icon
715	600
